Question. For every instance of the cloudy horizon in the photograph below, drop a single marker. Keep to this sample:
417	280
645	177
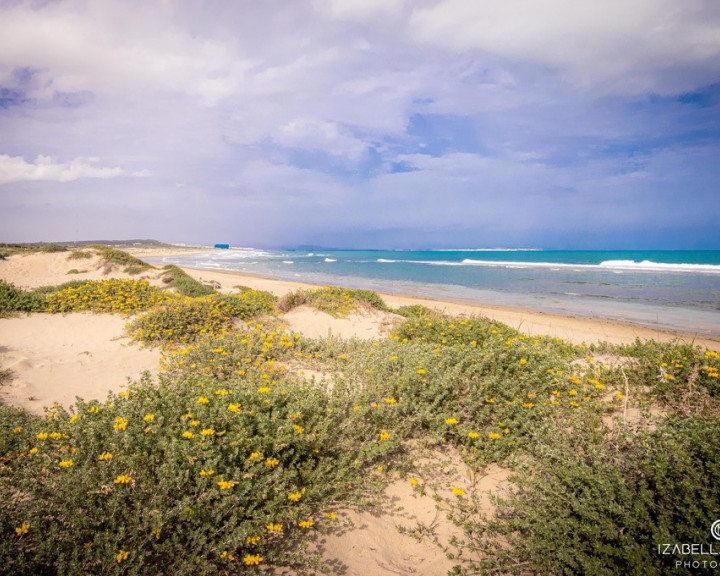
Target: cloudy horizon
362	123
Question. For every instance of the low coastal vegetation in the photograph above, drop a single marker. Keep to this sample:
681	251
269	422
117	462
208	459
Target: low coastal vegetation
228	460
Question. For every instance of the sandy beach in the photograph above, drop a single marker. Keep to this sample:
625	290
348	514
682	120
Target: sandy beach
55	358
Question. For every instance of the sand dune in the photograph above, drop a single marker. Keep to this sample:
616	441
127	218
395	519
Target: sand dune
55	358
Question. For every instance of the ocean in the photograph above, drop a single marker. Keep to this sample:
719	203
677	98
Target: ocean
664	289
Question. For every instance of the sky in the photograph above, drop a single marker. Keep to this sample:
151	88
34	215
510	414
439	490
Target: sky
362	123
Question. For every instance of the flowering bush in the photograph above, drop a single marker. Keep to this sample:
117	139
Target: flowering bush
111	295
183	319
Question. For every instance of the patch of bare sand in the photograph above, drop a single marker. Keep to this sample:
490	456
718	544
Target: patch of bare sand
411	533
55	358
365	324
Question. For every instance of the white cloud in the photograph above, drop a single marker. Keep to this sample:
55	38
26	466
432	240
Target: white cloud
16	169
643	45
327	137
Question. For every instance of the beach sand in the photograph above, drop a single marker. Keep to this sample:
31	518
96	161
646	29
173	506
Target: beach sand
55	358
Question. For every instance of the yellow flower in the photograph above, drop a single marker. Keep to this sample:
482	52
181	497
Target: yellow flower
122	555
452	421
94	409
489	400
252	559
295	496
669	377
252	539
272	462
65	463
255	456
274	527
572	392
149	417
235	408
306	523
226	485
22	529
384	435
263	390
194	423
120	423
33	450
493	435
105	456
17	430
420	371
207	432
207	472
473	435
458	491
203	400
414	481
187	434
331	515
74	419
298	429
390	401
55	435
122	479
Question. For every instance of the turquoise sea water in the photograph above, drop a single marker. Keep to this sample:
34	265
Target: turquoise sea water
668	289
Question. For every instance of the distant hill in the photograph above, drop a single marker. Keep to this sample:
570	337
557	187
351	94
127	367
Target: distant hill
134	242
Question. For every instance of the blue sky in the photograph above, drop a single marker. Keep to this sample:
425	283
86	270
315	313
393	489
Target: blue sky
362	123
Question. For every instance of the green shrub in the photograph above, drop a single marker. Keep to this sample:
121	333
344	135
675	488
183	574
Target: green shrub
14	299
338	301
117	256
5	375
80	255
176	277
52	247
187	477
415	311
604	508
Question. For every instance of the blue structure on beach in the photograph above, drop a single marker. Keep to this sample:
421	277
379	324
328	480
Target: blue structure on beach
222	246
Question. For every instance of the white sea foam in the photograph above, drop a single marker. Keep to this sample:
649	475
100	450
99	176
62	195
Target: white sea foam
330	259
650	266
617	266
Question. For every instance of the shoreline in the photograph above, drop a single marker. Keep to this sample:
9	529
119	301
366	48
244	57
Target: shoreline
573	328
